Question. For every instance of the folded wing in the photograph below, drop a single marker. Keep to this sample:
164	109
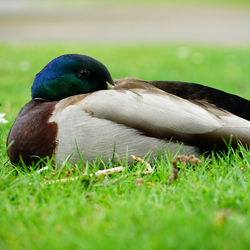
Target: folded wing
158	114
193	91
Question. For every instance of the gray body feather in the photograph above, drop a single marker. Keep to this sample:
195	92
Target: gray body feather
138	121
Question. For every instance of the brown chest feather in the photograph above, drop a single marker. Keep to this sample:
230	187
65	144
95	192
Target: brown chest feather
31	134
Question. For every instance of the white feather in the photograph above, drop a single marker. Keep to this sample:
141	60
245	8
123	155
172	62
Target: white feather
96	123
78	131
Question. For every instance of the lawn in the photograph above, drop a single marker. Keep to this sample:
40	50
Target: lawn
206	207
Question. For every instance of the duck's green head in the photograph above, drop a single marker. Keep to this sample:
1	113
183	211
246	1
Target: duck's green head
69	75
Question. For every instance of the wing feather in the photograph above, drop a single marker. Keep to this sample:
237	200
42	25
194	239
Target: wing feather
152	111
164	115
161	115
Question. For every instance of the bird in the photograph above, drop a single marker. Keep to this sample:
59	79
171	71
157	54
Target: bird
78	112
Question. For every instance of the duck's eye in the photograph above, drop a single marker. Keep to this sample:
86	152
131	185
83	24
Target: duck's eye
83	73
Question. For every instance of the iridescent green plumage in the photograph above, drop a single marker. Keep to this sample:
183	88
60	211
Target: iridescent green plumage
70	75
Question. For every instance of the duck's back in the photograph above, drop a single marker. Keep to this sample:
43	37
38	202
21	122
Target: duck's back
197	92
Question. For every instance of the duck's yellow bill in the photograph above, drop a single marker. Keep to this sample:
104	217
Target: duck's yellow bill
109	86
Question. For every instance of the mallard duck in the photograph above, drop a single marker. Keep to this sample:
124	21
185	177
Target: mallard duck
76	112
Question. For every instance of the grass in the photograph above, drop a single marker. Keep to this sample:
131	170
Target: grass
207	207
